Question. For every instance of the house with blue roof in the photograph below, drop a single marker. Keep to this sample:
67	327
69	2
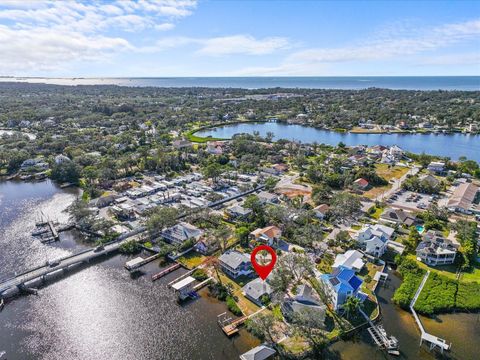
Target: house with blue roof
341	284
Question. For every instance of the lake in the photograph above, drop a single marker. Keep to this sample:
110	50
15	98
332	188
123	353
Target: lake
100	312
469	83
451	145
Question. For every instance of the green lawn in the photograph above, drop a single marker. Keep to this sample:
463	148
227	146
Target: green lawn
389	173
191	259
243	303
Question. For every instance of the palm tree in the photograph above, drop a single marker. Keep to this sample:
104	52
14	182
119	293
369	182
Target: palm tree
351	306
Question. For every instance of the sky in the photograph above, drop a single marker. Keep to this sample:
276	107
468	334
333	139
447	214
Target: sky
156	38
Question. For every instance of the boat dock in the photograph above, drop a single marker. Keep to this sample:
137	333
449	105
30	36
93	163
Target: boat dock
230	326
166	271
138	262
380	337
432	340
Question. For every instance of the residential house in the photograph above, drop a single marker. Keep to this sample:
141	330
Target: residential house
398	216
60	159
261	352
237	212
374	238
181	144
360	184
256	289
267	197
352	260
215	147
435	250
341	284
180	233
235	264
268	235
321	211
463	198
436	167
38	163
430	180
304	301
207	245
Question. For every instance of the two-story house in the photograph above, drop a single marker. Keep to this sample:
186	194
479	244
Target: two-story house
340	285
435	250
235	264
373	238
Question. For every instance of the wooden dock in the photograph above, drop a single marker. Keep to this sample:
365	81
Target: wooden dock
166	271
432	340
141	263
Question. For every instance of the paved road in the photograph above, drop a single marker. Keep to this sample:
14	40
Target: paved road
396	185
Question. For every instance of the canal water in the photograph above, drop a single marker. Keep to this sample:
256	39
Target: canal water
100	312
103	312
451	145
460	329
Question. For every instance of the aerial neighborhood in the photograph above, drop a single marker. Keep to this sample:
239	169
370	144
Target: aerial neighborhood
341	219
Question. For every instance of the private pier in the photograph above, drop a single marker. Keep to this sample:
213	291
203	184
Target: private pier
431	340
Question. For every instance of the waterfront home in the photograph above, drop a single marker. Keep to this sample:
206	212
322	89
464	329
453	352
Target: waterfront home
436	167
215	147
398	216
261	352
435	250
360	184
374	238
256	290
352	260
237	212
38	163
321	211
207	245
463	198
180	233
61	159
268	235
267	197
304	302
234	264
341	284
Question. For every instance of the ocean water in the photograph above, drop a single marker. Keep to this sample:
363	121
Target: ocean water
468	83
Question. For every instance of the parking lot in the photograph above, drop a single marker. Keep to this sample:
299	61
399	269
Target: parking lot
409	200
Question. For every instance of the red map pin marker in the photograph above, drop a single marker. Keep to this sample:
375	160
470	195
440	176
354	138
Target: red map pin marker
263	270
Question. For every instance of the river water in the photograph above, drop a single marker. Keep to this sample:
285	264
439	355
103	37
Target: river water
451	145
101	311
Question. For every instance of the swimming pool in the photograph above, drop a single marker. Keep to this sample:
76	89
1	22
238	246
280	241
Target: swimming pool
420	229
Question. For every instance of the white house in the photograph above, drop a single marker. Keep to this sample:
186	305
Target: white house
374	238
435	250
235	264
436	167
352	259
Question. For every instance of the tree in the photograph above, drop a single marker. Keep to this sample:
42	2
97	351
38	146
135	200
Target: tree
351	306
309	324
222	233
308	235
253	203
242	234
344	205
413	239
160	218
262	326
212	171
66	171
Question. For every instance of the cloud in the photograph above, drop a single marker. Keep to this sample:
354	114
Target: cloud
242	44
44	34
407	44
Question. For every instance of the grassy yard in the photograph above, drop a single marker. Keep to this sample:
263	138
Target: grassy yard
376	191
243	303
192	259
389	173
376	215
449	271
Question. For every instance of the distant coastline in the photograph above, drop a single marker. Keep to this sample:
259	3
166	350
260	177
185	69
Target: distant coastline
460	83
